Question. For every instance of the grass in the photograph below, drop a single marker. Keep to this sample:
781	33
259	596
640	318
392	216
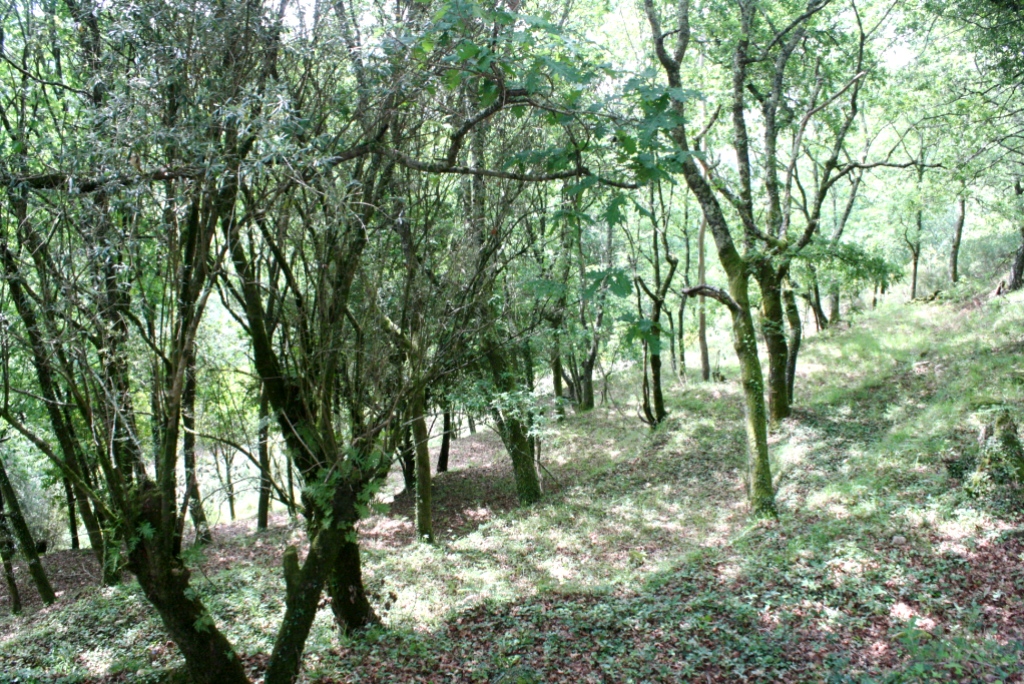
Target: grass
641	564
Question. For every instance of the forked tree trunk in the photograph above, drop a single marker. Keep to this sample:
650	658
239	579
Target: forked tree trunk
759	479
351	606
333	554
513	430
515	436
209	657
9	501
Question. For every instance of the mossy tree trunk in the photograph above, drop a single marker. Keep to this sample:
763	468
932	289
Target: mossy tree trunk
759	477
351	606
774	330
737	268
209	657
512	428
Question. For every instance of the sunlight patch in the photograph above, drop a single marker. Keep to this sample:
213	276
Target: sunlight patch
906	613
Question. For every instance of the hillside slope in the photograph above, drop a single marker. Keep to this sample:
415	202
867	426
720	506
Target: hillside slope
641	565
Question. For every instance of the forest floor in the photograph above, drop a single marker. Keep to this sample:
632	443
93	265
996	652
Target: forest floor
641	564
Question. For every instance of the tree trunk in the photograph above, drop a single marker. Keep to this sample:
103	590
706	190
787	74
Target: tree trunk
188	421
556	381
24	537
702	323
773	314
515	436
471	422
446	440
1016	281
69	496
229	486
303	587
958	232
291	488
6	555
759	477
63	430
645	389
795	334
682	344
814	299
351	607
913	277
514	431
656	391
209	657
333	552
424	524
585	382
263	508
672	344
407	459
833	306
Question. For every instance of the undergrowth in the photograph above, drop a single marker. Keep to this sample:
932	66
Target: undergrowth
641	564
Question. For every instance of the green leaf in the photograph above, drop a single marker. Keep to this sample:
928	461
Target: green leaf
683	94
467	50
452	79
488	93
616	280
613	213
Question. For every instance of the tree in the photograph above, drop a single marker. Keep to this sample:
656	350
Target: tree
10	511
737	270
